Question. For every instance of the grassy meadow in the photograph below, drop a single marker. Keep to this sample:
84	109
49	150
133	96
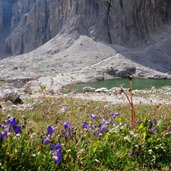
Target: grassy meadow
72	134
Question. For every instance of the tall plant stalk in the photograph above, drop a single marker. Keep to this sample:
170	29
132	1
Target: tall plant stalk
130	100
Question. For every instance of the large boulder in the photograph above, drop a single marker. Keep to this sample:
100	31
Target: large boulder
10	95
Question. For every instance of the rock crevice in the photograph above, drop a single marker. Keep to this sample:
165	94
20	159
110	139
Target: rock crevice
108	19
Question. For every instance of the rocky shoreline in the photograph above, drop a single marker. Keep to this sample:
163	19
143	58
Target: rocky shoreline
72	47
17	97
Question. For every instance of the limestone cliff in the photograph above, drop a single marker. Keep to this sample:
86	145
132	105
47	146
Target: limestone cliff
27	24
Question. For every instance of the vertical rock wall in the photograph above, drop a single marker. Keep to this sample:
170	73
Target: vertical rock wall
27	24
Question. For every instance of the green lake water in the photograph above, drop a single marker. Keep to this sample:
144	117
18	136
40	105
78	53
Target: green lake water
138	83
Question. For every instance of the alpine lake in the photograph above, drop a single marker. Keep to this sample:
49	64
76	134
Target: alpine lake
138	83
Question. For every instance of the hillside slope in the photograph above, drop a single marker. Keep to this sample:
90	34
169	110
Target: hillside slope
88	57
27	24
78	40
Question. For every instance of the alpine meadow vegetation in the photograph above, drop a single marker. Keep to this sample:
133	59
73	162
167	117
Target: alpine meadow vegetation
72	134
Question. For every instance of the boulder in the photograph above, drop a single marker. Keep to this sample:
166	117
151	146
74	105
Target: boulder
28	88
115	90
88	89
102	90
10	95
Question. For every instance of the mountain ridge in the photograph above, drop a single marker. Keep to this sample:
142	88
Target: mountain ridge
80	49
127	23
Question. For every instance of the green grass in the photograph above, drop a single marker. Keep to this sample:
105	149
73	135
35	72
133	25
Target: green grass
51	111
114	150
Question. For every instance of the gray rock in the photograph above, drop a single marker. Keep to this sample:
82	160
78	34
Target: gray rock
123	72
89	36
102	90
88	89
27	24
115	90
10	95
27	88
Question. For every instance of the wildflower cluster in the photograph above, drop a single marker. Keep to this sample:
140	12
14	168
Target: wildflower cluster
99	126
10	125
57	154
106	141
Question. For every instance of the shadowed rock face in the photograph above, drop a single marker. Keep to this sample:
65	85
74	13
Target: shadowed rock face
27	24
5	17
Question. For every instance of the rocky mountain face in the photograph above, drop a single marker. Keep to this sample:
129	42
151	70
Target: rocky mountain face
27	24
